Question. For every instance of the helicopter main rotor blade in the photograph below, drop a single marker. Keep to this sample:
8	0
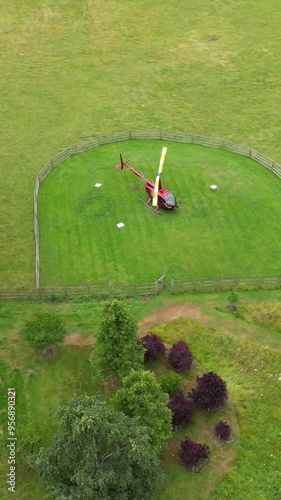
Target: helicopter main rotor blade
156	187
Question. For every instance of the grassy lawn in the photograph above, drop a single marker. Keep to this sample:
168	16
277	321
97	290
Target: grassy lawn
180	484
211	234
74	69
233	347
253	376
41	386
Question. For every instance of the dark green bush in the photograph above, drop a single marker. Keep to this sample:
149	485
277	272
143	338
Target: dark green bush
43	331
170	382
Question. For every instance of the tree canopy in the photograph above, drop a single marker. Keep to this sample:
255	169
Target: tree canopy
100	454
142	397
117	349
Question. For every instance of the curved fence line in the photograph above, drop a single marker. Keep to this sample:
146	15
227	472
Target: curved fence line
92	142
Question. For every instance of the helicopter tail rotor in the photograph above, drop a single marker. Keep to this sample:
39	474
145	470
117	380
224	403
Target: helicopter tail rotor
157	181
120	165
121	162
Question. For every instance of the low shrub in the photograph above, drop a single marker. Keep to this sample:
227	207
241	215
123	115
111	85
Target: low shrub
233	297
193	454
222	431
45	330
170	382
80	299
180	357
55	299
210	392
154	347
182	409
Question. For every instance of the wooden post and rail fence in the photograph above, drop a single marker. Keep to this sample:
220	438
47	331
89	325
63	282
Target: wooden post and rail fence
101	292
176	286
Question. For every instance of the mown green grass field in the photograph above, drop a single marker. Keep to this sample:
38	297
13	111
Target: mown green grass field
212	233
73	69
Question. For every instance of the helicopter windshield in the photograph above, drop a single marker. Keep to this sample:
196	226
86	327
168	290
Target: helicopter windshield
169	199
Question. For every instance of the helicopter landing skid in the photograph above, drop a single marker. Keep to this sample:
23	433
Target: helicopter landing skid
150	208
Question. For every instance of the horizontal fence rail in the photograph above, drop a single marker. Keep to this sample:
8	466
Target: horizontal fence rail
166	135
214	284
83	293
100	292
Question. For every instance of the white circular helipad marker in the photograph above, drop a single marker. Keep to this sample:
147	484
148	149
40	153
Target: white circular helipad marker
213	186
120	224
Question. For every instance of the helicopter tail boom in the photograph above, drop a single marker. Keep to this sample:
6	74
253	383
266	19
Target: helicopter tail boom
123	164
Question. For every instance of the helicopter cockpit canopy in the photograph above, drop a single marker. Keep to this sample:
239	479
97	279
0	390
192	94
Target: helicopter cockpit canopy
169	199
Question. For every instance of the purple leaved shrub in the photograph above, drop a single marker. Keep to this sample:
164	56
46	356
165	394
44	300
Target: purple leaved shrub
193	454
182	409
222	431
154	347
210	392
180	357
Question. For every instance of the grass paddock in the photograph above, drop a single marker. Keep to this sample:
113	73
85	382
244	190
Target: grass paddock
231	231
75	69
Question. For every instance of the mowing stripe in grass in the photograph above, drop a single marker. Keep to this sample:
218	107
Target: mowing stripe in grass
233	230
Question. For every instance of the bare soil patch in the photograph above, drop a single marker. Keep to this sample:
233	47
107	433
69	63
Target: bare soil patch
170	312
161	314
78	339
50	351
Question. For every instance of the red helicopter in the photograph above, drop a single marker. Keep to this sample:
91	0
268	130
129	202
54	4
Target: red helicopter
160	196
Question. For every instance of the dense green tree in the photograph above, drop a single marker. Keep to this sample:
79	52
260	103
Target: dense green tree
141	396
44	330
101	454
117	349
